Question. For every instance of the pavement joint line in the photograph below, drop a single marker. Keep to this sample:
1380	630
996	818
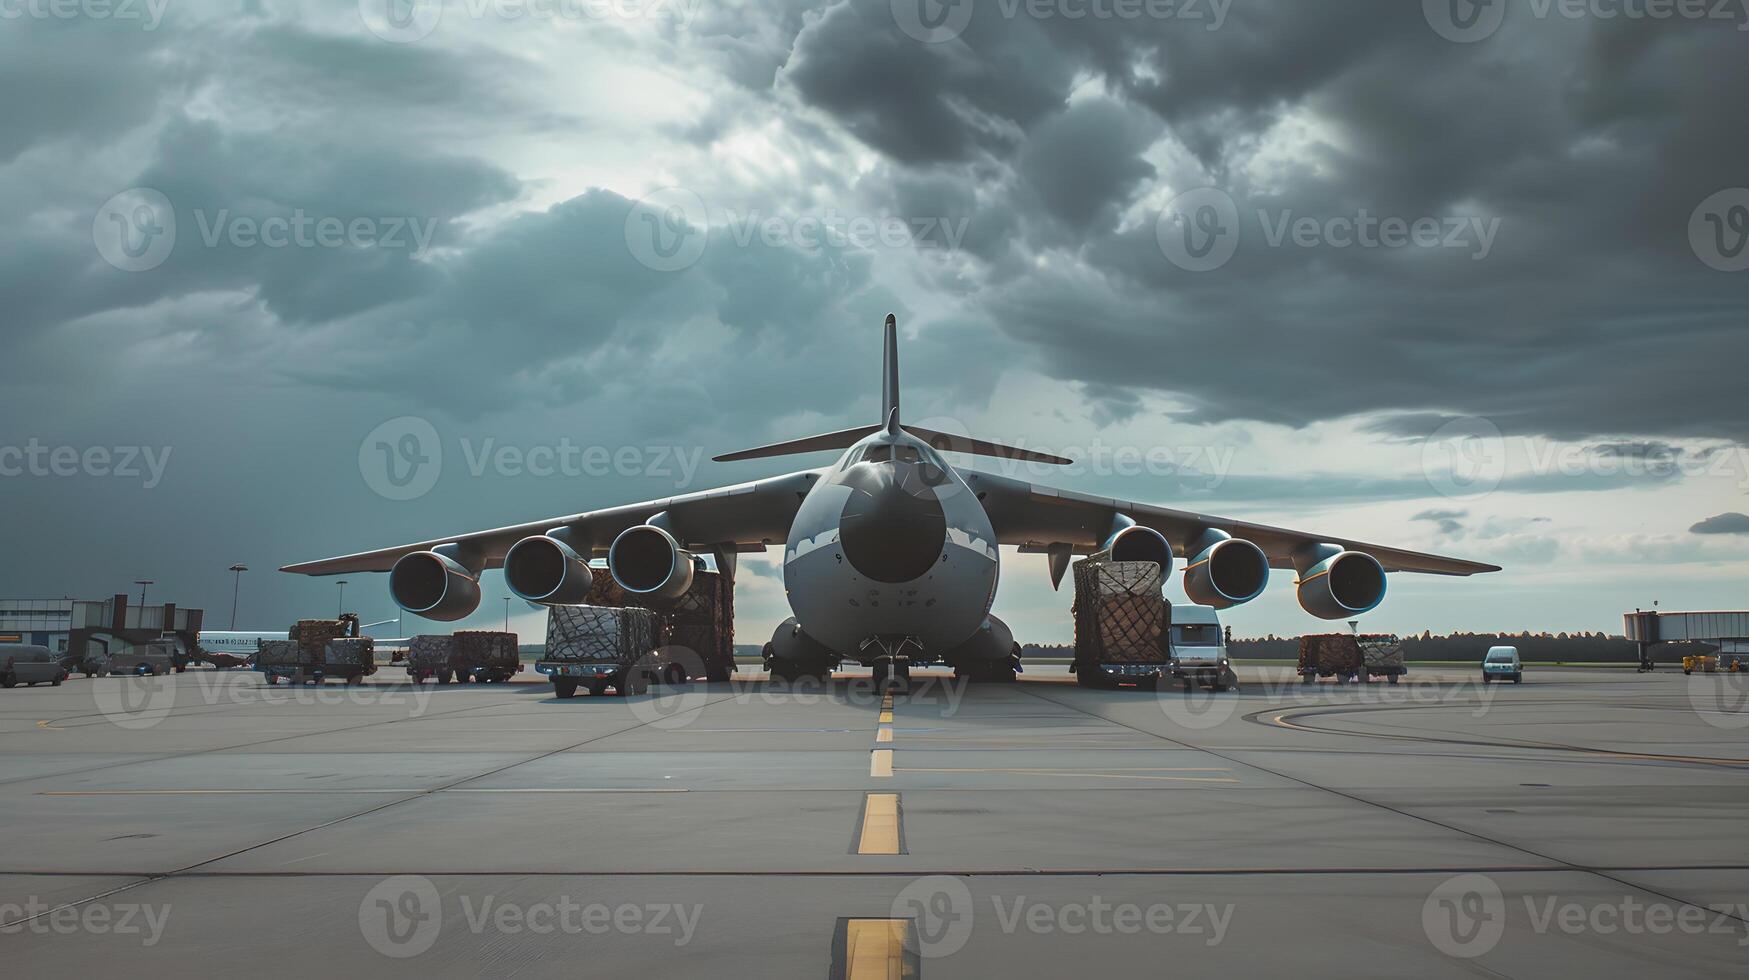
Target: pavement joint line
1285	719
1072	774
160	876
354	792
1352	797
165	757
1217	871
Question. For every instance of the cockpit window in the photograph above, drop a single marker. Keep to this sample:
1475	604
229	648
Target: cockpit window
878	454
907	454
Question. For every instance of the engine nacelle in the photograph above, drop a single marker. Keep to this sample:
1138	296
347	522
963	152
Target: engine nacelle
1342	585
1138	543
647	561
434	586
1226	571
546	570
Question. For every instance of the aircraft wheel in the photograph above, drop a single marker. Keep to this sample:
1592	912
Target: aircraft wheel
882	673
565	688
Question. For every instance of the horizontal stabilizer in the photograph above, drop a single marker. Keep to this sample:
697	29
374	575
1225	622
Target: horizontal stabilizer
946	442
844	439
813	444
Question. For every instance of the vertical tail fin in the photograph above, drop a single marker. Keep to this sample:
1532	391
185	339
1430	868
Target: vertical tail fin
890	377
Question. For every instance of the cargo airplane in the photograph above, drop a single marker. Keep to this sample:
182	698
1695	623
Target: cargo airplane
889	555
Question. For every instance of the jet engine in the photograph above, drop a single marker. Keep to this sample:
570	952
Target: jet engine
435	586
1138	543
548	571
1225	572
647	561
1344	584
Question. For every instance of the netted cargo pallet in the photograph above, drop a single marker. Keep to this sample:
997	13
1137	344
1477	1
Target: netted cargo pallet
1381	651
359	651
313	633
274	653
701	620
429	652
600	634
483	648
1329	653
1120	611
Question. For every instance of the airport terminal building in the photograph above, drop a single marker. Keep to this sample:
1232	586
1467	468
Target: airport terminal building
111	624
42	622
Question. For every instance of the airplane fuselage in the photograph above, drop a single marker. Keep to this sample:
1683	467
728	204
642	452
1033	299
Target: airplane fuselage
891	543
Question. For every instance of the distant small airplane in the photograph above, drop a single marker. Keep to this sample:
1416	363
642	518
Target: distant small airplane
890	555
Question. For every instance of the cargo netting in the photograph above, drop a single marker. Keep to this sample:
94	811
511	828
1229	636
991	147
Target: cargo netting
610	634
1120	611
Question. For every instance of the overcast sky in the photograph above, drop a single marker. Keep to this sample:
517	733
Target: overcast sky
281	280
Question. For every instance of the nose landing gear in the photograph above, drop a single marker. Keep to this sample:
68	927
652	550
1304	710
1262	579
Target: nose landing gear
891	657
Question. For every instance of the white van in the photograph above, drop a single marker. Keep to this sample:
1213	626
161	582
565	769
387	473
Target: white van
1502	664
1199	648
29	665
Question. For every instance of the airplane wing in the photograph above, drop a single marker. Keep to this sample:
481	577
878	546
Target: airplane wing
1037	517
745	517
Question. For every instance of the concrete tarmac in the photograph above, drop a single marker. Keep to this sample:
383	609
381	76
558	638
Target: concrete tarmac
1589	822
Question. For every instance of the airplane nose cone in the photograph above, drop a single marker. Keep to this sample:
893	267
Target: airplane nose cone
892	528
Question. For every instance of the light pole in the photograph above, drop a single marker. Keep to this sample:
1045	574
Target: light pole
142	583
342	612
236	584
506	614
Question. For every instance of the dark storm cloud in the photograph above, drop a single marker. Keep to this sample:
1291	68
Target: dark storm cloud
84	84
1588	141
1730	523
923	104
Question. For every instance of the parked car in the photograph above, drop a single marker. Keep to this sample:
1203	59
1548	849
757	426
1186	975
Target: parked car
1502	664
29	665
141	659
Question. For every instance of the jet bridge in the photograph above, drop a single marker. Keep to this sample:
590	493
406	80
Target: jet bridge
1729	631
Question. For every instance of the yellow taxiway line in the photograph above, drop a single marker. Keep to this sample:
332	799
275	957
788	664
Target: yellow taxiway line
880	824
874	949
